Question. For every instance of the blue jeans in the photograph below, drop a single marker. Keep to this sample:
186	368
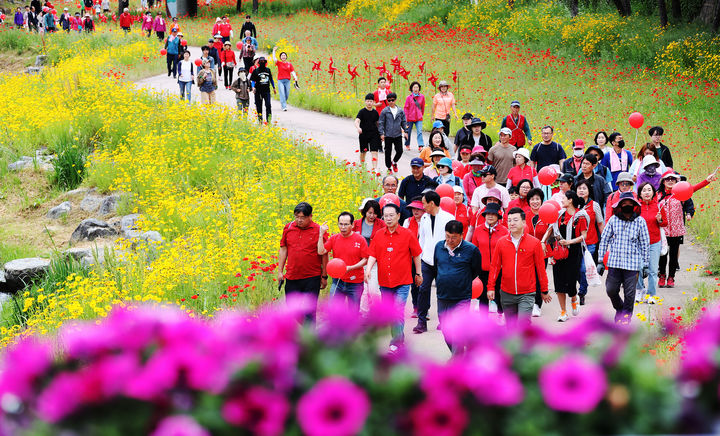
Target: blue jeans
418	130
653	267
185	88
582	279
351	291
284	85
400	294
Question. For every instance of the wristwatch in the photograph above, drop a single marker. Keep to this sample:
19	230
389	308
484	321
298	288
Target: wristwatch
418	274
325	277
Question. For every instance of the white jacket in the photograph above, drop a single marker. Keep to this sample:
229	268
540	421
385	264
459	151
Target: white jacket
429	238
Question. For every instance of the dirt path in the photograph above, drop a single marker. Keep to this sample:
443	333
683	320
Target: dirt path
338	138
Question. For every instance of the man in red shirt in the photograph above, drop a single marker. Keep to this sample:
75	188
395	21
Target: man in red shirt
225	29
381	94
395	249
298	252
520	258
353	250
126	20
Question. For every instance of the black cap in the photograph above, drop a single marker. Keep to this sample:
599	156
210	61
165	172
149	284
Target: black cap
489	170
566	177
467	116
596	148
491	208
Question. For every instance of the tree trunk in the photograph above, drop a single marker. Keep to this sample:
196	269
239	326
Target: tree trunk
676	10
574	8
628	9
255	7
662	11
192	8
238	6
620	5
716	20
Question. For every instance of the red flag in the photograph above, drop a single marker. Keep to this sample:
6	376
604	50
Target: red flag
422	67
433	78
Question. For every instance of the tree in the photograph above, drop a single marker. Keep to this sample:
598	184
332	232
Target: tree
676	10
574	8
662	11
255	7
238	6
716	20
623	7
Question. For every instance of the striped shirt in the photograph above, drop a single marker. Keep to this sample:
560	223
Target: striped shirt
628	243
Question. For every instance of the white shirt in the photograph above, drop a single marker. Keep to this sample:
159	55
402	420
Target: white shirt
186	71
516	242
482	190
428	238
393	111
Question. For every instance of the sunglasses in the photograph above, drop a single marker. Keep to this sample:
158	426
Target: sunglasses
390	99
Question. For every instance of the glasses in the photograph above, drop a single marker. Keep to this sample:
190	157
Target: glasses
390	99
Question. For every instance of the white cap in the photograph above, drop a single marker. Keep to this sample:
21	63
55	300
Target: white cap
506	130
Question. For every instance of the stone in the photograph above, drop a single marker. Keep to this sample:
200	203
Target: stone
78	253
128	222
21	164
93	259
33	70
78	191
40	60
5	298
91	203
131	234
91	229
151	236
25	270
61	209
108	205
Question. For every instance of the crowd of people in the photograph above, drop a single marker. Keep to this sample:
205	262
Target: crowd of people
614	211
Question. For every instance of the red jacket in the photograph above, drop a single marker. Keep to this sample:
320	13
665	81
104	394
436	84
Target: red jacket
520	267
649	211
486	242
224	29
227	56
462	214
378	224
126	20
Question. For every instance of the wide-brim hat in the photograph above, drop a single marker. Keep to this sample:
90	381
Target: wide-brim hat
649	160
596	148
670	173
476	161
626	196
624	177
522	152
492	193
477	122
443	83
492	208
415	205
437	153
445	162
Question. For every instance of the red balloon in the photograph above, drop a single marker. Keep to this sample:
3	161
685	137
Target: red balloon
636	120
445	190
336	268
163	52
389	198
682	191
447	204
238	45
198	62
548	213
605	258
555	204
547	176
455	165
477	287
183	43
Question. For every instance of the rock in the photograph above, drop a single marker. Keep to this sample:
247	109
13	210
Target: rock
25	270
5	298
33	70
93	259
61	209
19	165
91	229
91	203
108	205
40	60
128	222
131	234
151	236
78	191
78	253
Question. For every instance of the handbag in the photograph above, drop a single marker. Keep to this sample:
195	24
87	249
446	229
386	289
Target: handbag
230	64
555	250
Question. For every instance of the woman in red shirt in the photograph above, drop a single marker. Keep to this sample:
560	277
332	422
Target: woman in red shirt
596	225
536	228
227	58
462	213
522	170
286	71
523	186
485	238
655	218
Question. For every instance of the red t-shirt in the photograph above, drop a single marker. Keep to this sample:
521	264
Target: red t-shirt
224	29
462	215
394	252
284	69
516	174
302	258
352	250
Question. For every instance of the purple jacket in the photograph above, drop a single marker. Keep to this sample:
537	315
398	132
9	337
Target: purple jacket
159	24
654	180
19	19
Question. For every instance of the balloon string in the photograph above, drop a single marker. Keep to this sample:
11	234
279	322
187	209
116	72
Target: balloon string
636	136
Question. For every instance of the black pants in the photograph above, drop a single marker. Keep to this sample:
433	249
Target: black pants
160	35
414	289
428	275
248	63
259	97
538	294
674	254
310	285
227	78
628	280
446	127
389	142
483	299
225	39
172	63
444	306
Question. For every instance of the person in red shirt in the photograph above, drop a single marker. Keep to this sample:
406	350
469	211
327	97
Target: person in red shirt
536	228
464	167
304	267
381	94
225	29
485	238
227	58
353	250
523	188
462	212
413	224
286	71
126	20
522	170
655	219
395	249
520	258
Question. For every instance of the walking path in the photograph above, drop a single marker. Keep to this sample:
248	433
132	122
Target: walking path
338	137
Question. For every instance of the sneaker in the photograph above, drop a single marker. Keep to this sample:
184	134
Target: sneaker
414	314
671	282
421	327
575	307
582	300
537	311
284	109
395	167
661	281
563	317
501	319
419	149
393	349
639	295
650	299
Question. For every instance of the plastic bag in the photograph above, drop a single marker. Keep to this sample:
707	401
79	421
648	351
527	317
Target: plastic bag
664	248
591	274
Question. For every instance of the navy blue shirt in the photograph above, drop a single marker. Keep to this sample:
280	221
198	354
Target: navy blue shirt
456	270
411	188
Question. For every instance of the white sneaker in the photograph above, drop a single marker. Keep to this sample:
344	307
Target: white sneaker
285	109
650	299
537	311
563	317
575	307
639	295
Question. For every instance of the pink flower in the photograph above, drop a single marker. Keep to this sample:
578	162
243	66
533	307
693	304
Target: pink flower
456	331
338	322
333	407
440	415
497	388
384	312
448	378
260	410
22	364
61	397
573	383
179	425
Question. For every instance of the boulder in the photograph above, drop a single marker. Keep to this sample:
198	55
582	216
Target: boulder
128	221
108	205
91	203
78	191
22	271
5	298
61	209
40	60
78	253
21	164
91	229
151	236
93	259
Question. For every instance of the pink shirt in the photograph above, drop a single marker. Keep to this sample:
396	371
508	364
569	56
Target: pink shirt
443	104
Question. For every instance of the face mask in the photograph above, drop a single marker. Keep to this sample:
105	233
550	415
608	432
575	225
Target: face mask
578	153
476	173
621	144
650	171
627	209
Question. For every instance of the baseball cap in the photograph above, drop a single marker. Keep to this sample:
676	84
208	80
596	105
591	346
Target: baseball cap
515	103
437	124
566	177
578	144
489	170
415	205
506	130
458	189
467	116
417	162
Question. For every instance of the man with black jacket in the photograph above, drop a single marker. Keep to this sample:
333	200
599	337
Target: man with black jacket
263	79
248	25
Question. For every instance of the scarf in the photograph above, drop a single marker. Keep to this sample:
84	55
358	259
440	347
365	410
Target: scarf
618	163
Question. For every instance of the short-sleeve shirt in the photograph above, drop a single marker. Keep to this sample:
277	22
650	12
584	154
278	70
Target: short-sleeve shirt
303	260
545	155
443	104
284	70
394	252
368	121
351	249
516	174
503	160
